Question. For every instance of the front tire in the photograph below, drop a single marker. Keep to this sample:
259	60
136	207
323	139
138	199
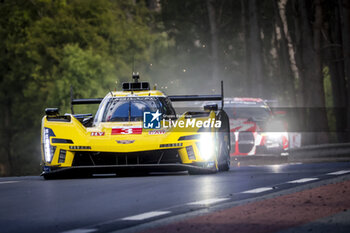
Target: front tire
224	155
203	171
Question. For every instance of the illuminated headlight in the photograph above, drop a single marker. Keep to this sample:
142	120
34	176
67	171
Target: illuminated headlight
275	132
274	139
49	150
274	136
207	146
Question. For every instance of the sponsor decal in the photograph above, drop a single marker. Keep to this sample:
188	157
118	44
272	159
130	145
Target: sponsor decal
192	123
125	141
126	130
157	132
97	134
151	120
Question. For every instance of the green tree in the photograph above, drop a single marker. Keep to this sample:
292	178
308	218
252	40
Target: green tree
48	46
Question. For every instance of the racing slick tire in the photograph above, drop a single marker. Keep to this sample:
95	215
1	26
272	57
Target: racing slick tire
212	170
47	177
224	140
53	176
224	155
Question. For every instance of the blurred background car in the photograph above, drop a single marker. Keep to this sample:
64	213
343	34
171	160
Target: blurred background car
255	128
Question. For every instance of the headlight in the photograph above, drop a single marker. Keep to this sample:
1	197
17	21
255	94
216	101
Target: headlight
207	146
274	139
49	150
274	133
274	136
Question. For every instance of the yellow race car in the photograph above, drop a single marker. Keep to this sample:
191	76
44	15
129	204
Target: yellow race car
136	130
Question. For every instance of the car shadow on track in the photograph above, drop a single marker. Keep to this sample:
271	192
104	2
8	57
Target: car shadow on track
115	175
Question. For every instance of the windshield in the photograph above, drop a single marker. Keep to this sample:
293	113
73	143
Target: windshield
254	113
132	108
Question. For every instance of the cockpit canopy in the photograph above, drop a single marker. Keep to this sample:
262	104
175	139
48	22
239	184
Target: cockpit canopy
125	109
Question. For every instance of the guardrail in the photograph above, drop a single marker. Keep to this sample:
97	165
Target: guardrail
313	153
323	152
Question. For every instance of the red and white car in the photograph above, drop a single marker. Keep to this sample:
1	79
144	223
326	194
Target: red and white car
254	128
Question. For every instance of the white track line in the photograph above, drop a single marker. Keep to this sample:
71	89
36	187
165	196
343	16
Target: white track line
146	215
258	190
81	231
8	182
304	180
294	163
208	201
339	172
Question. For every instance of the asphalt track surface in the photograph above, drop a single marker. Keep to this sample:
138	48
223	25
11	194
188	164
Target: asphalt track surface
105	204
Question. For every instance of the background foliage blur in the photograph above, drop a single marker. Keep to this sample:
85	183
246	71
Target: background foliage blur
294	51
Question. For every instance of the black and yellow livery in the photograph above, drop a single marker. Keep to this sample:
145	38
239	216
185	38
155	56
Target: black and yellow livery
116	140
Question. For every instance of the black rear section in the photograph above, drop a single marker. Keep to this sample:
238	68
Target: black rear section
134	158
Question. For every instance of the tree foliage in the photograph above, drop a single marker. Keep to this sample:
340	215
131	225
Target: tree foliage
48	46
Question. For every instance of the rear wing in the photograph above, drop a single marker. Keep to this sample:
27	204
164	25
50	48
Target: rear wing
181	98
81	101
86	101
173	98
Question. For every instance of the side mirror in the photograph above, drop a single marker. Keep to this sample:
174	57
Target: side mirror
211	107
52	111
